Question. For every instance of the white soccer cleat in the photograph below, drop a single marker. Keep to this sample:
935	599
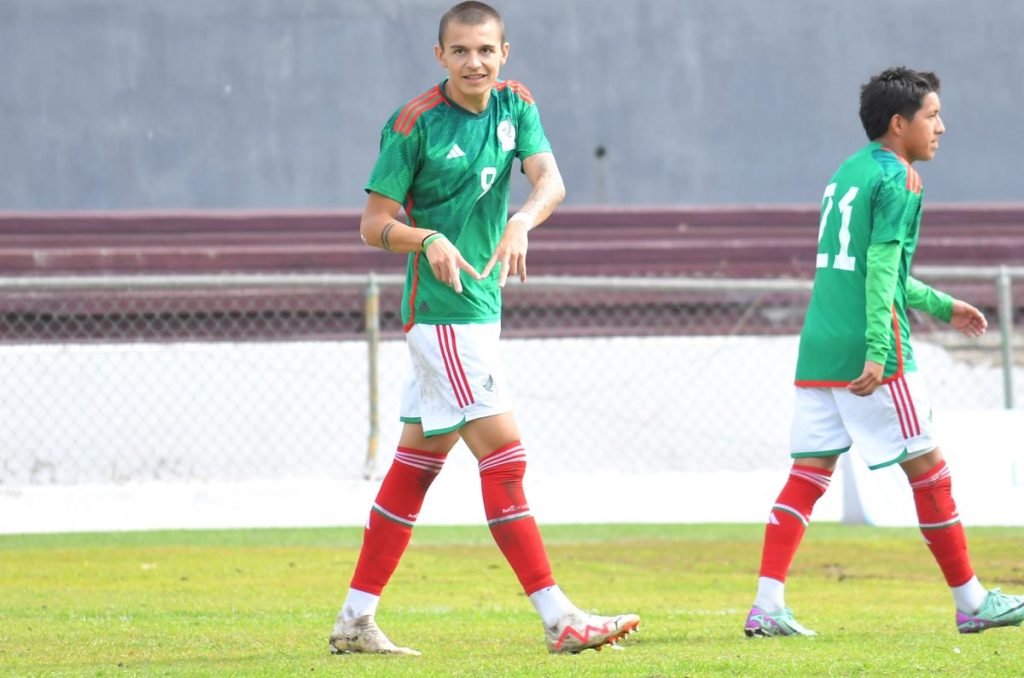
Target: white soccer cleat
578	631
363	635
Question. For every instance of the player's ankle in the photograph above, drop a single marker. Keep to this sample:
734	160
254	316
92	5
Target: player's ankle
770	594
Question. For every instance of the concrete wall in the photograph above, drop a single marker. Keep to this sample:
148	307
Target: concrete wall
110	104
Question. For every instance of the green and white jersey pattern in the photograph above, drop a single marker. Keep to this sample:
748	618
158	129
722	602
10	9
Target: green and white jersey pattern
874	197
450	169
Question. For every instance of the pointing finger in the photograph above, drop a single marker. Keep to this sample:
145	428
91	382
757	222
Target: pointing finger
503	276
468	268
489	266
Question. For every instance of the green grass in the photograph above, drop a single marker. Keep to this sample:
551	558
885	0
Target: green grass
261	602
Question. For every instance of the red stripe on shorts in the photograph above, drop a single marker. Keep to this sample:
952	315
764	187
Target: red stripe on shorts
914	424
448	366
460	372
456	375
896	398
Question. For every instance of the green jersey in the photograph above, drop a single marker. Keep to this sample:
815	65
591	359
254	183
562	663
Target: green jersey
451	169
873	198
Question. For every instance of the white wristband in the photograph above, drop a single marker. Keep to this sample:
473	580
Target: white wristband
524	216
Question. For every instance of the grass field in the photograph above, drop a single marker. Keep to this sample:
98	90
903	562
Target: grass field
261	602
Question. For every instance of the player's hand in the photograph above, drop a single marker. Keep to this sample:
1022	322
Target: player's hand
447	264
510	253
869	380
968	319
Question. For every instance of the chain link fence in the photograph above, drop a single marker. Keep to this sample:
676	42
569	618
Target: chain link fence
181	378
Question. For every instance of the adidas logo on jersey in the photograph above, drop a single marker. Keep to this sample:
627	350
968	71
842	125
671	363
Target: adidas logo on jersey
424	307
456	152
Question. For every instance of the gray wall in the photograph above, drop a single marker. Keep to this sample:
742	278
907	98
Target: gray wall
278	103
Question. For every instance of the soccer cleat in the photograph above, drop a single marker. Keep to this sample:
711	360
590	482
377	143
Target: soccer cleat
999	609
363	635
578	631
781	623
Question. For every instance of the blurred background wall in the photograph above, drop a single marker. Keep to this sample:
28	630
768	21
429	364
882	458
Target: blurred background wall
124	104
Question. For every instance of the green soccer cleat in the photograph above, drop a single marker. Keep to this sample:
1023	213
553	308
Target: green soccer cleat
999	609
781	623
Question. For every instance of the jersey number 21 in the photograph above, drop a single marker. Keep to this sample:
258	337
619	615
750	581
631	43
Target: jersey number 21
842	261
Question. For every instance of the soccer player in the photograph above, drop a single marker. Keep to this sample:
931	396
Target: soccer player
856	380
446	157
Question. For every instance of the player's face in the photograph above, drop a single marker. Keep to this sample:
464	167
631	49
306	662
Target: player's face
921	138
473	55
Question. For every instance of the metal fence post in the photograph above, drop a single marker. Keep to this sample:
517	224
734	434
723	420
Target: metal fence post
1005	286
372	344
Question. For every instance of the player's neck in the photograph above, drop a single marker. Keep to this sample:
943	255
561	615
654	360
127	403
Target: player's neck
895	144
471	104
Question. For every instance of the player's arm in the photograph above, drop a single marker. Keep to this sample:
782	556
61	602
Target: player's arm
380	227
882	276
547	192
957	313
923	297
548	188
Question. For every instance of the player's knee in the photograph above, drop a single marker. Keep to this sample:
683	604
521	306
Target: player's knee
922	464
818	463
507	464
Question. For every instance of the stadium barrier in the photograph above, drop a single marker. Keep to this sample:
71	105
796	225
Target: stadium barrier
265	399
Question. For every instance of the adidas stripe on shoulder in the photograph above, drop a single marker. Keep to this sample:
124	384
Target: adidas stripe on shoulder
517	88
407	117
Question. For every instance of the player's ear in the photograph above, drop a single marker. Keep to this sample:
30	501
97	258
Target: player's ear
897	124
439	55
504	53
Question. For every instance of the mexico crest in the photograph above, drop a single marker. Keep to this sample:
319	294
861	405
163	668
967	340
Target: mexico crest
507	135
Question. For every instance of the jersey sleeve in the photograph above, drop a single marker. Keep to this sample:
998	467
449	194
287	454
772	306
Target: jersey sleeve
879	291
530	138
923	297
397	163
892	210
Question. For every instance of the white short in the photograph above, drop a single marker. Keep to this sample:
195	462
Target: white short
457	376
890	426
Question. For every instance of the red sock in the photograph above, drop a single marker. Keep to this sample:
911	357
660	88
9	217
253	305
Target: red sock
393	516
940	524
508	516
789	518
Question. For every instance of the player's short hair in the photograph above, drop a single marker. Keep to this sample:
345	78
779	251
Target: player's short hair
471	14
898	90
